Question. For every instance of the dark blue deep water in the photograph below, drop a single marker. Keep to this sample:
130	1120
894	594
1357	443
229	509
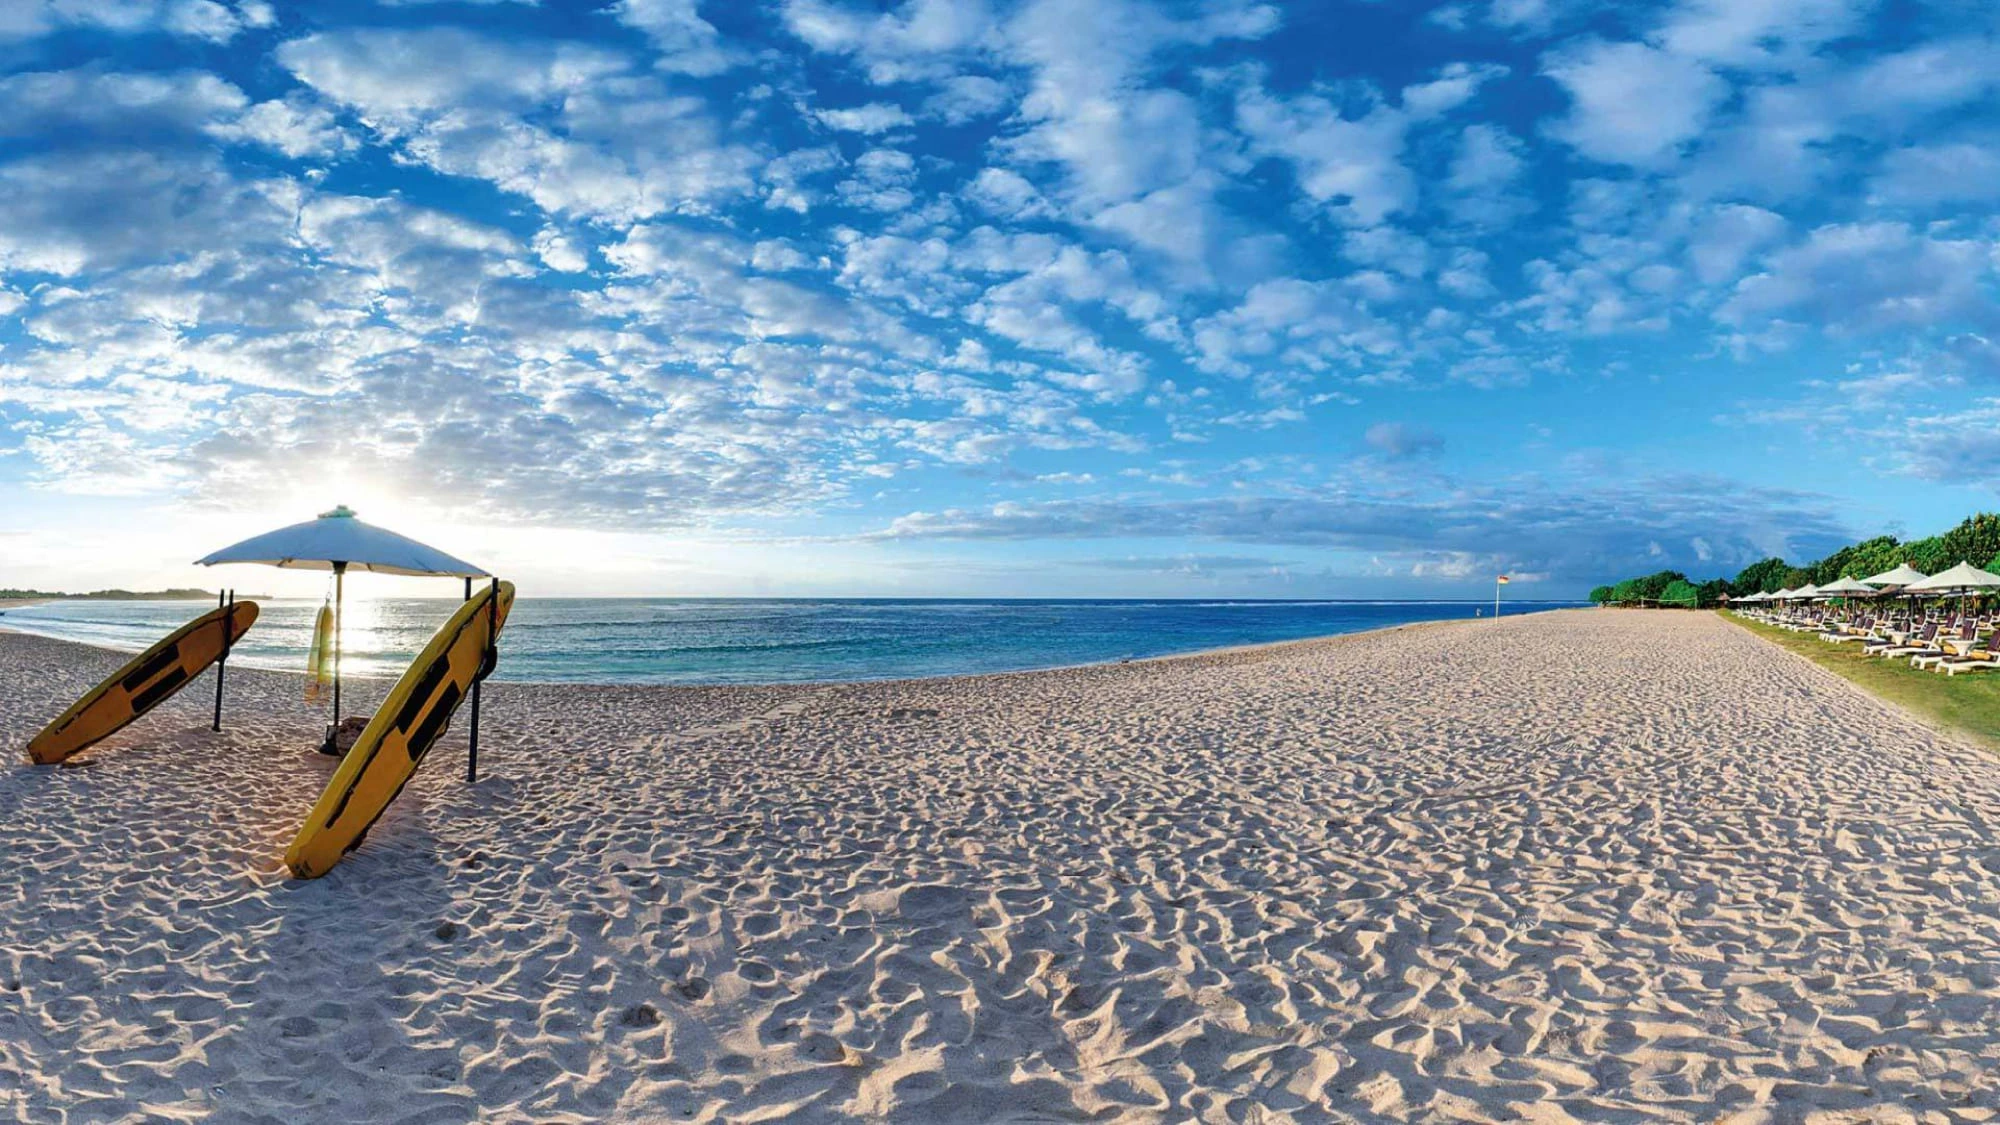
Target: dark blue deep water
714	641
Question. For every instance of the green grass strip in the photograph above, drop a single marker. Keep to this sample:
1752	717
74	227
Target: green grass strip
1968	703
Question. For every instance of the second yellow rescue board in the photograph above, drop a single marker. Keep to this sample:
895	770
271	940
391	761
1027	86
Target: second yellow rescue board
407	725
148	680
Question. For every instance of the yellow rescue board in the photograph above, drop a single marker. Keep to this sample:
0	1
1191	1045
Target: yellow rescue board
150	679
409	723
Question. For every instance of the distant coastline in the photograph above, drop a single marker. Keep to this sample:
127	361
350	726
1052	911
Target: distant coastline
28	597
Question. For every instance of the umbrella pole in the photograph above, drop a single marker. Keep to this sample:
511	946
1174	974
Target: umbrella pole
339	604
472	750
222	662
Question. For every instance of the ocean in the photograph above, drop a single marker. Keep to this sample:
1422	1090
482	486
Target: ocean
739	641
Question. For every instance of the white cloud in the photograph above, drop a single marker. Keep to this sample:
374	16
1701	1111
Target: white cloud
923	39
1757	33
167	107
1353	167
1930	175
191	19
65	212
621	148
1402	440
398	76
1465	276
1353	164
560	252
70	102
1455	85
1727	236
1314	327
1631	103
873	118
1851	277
688	44
967	97
881	182
294	126
1575	531
1007	193
1481	179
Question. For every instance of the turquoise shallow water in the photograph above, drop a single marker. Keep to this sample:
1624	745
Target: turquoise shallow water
705	640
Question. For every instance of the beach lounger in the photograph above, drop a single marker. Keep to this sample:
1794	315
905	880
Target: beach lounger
1984	657
1947	648
1920	643
1887	636
1887	633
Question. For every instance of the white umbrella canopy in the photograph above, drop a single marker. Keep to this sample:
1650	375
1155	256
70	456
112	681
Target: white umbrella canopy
339	541
1961	579
1847	587
1903	575
1779	595
1804	592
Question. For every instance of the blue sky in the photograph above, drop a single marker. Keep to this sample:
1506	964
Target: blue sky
1223	298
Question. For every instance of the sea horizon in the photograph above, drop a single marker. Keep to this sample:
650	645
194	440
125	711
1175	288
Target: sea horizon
772	640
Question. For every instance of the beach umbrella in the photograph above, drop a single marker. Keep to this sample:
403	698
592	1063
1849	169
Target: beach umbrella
1964	580
1805	592
1781	595
1902	576
1961	579
1846	588
339	542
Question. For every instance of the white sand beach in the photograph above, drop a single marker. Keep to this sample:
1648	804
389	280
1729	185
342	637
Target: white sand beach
1581	866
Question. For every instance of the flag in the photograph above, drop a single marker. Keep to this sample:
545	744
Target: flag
1503	580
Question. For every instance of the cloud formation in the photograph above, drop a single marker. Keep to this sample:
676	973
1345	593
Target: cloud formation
1006	270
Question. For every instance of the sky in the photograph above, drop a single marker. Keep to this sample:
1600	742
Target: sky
985	298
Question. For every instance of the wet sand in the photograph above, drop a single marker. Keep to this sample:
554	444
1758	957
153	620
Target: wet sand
1590	865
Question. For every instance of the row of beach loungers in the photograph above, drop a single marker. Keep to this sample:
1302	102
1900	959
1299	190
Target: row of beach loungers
1948	644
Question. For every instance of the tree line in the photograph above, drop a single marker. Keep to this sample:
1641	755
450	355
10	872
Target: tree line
174	595
1976	540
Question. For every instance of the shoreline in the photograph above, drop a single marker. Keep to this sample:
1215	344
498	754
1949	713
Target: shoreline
1190	654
